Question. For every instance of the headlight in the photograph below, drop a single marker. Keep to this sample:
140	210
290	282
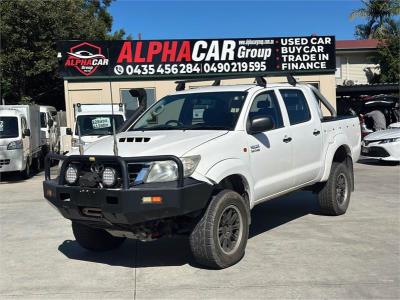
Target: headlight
109	177
168	170
389	141
75	142
15	145
71	175
162	171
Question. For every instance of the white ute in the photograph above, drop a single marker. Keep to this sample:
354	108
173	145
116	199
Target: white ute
197	162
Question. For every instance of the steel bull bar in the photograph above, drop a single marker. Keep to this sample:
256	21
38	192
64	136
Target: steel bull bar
122	161
123	207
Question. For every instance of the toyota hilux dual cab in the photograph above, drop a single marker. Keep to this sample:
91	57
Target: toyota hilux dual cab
198	161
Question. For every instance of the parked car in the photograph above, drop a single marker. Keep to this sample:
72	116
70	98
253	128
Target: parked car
21	146
382	145
197	161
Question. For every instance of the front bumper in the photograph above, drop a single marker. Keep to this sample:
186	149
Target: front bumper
12	160
125	207
388	151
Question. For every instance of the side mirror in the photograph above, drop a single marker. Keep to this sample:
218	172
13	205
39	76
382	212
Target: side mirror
68	131
260	124
50	122
27	132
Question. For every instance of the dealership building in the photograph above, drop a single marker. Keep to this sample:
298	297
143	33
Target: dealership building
352	58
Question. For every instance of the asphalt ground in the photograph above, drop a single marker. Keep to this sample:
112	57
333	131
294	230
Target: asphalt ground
293	251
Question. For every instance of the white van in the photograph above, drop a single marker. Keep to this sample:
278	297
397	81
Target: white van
20	142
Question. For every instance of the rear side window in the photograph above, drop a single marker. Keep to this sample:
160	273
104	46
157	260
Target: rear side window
296	106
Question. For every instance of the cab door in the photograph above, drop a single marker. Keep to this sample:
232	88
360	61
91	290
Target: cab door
26	140
270	151
306	134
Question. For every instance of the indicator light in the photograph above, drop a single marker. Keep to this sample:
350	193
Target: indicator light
152	200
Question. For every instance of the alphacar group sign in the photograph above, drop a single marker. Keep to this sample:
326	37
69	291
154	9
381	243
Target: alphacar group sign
180	59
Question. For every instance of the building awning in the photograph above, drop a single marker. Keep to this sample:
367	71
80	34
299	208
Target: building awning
367	89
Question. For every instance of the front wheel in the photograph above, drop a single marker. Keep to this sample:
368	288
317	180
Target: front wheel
334	196
220	237
94	239
27	172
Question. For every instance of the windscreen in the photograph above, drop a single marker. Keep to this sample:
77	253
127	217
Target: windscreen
8	127
98	124
194	111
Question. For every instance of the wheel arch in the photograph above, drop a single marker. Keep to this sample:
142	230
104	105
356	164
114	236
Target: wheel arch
341	153
233	174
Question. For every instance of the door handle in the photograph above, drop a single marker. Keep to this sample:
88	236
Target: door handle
287	139
316	132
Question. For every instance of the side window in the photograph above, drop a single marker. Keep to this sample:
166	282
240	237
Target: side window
296	106
43	122
266	105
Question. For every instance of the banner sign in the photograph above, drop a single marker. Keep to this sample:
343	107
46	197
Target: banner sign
181	59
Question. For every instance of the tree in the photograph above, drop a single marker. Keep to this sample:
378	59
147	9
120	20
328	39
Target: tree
388	58
29	30
379	15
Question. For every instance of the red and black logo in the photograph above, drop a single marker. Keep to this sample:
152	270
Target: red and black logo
86	58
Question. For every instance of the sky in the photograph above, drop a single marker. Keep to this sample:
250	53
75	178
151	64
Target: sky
234	19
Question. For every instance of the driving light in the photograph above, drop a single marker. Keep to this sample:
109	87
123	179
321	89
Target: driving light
15	145
109	177
71	175
389	141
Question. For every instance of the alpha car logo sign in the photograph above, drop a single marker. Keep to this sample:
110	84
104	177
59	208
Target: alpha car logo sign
86	58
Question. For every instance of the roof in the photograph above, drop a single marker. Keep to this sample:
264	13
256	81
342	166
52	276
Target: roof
232	88
9	112
357	44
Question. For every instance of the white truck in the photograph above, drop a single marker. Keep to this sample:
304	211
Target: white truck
49	127
198	161
94	122
21	146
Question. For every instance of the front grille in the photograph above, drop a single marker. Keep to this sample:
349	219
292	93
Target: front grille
133	172
90	173
377	152
4	162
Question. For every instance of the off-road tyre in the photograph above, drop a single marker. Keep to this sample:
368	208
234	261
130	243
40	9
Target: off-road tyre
94	239
212	231
333	200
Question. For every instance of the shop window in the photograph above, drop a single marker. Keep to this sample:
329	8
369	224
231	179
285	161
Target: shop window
131	103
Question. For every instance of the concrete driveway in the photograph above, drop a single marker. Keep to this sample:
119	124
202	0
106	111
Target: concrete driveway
292	253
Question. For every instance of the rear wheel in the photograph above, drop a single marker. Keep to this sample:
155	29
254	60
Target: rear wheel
220	237
94	239
334	196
